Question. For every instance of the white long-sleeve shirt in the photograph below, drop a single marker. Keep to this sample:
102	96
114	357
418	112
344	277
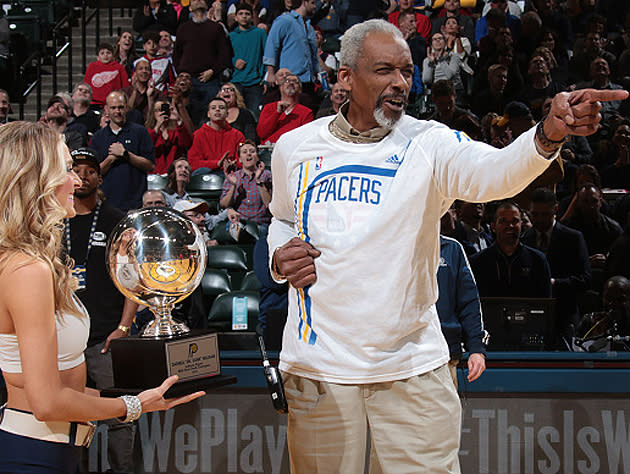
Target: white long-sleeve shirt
373	210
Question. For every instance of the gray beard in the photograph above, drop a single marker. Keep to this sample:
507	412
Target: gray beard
384	121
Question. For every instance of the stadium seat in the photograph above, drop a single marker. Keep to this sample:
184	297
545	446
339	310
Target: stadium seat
215	282
25	31
157	182
250	282
264	153
220	316
231	258
205	186
248	235
227	257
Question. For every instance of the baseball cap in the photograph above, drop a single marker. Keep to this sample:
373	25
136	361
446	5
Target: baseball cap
513	110
85	156
185	205
57	99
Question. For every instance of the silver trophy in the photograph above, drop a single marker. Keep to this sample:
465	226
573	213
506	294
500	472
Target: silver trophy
157	257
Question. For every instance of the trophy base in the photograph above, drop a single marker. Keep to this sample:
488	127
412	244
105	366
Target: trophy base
167	328
179	389
140	363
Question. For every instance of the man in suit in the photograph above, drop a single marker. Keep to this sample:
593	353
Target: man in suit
567	255
469	230
507	267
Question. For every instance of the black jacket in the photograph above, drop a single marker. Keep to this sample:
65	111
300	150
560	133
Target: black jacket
570	268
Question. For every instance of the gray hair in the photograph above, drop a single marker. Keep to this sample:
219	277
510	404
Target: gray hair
353	38
67	98
154	191
76	86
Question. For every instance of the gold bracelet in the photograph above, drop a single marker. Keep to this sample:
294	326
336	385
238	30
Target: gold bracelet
124	329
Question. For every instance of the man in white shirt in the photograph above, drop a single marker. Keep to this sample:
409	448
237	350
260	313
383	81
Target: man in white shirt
357	203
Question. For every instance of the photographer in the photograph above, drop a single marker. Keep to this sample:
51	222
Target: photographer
596	331
171	137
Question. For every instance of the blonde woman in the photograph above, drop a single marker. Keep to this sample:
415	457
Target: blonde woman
43	326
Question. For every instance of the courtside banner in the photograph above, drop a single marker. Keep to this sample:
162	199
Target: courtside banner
240	432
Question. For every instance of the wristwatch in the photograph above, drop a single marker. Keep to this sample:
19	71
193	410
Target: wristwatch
125	155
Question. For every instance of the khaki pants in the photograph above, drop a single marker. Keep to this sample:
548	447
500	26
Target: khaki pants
452	367
414	425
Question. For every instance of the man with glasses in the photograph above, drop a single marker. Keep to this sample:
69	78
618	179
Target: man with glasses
286	114
81	111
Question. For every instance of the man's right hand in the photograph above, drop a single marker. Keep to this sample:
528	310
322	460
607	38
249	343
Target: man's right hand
296	261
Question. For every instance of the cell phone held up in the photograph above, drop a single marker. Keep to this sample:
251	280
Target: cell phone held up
165	109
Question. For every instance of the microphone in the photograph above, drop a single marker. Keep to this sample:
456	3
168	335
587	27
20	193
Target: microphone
274	380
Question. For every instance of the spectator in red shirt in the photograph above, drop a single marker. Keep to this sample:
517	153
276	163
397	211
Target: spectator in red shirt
423	24
171	138
248	190
216	140
284	115
105	75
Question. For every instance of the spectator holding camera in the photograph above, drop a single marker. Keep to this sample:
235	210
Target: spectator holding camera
171	137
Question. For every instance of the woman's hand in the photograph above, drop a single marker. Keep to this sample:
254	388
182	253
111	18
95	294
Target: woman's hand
230	178
260	167
226	161
153	399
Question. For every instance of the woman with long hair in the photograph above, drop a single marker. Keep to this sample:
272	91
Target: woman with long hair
43	326
178	178
171	137
125	51
441	63
239	117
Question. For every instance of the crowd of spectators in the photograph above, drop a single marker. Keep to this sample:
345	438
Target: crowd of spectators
216	82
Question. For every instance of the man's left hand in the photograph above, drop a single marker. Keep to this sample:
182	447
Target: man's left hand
117	149
577	112
476	366
115	334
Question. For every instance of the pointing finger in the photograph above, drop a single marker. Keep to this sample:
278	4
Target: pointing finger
608	95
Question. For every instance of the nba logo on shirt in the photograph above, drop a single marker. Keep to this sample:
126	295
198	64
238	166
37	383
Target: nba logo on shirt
318	162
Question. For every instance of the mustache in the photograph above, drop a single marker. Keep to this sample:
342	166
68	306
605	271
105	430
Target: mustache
401	97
